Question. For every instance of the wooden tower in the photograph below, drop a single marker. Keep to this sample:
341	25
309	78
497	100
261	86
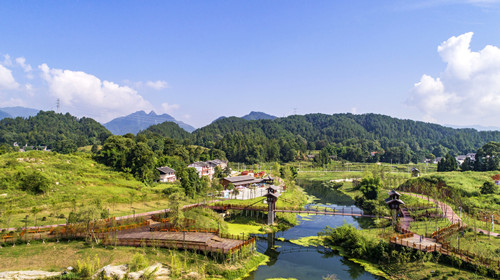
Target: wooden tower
272	196
393	202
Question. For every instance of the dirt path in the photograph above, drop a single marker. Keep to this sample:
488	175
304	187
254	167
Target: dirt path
145	214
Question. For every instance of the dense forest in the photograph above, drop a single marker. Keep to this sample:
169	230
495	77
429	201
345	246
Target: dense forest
166	129
141	154
60	132
362	138
359	138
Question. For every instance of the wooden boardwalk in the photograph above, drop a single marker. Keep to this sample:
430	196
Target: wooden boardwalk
201	241
325	211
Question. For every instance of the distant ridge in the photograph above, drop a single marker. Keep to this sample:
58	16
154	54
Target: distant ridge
4	115
14	112
476	127
258	116
140	120
252	116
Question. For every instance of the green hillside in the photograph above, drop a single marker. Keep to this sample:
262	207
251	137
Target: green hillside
347	136
60	132
166	129
73	181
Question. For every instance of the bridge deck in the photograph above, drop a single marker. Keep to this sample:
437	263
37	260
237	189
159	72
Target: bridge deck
182	239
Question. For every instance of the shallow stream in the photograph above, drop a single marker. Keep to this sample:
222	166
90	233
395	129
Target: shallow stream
288	260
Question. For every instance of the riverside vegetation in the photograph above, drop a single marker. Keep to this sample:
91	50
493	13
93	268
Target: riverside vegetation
461	190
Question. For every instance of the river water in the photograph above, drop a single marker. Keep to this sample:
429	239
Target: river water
288	260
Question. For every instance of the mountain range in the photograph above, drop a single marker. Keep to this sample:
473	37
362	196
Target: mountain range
140	120
14	112
252	116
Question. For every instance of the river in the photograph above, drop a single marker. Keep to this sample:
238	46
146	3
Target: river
288	260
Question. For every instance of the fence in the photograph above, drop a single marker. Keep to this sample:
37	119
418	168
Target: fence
445	249
293	209
177	244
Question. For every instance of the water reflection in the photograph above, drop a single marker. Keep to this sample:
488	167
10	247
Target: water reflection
288	260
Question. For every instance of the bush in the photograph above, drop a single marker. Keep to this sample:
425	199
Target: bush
87	268
34	182
138	262
488	188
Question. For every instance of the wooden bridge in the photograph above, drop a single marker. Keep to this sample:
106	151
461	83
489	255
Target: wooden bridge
318	211
141	234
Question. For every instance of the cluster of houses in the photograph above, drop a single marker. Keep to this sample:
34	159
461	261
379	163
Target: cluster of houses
203	168
30	148
460	158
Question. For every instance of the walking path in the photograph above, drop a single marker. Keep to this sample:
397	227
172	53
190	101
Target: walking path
449	213
145	214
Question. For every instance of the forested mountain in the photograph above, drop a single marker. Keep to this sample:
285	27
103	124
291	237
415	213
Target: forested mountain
166	129
258	116
57	131
18	111
4	115
367	137
139	120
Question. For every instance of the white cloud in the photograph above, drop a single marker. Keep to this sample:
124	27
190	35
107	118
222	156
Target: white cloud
11	102
156	85
468	91
166	108
6	60
7	81
84	94
22	62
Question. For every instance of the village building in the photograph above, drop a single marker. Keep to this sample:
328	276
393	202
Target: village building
207	168
217	162
472	156
415	172
203	169
243	181
167	174
460	159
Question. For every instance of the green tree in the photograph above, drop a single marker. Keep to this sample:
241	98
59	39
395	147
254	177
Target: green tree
65	146
34	182
294	172
489	188
176	212
35	210
370	187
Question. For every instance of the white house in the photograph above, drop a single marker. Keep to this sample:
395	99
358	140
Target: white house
167	174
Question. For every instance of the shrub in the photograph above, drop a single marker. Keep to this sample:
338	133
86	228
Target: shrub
34	182
138	262
87	268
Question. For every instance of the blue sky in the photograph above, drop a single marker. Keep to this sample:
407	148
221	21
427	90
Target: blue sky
198	60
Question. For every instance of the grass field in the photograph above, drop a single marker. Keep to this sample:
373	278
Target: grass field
74	181
53	256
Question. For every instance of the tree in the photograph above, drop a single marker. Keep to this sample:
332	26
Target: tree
276	169
236	192
34	182
142	163
370	187
448	163
5	148
467	165
176	212
489	188
35	210
132	195
218	172
65	146
294	172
